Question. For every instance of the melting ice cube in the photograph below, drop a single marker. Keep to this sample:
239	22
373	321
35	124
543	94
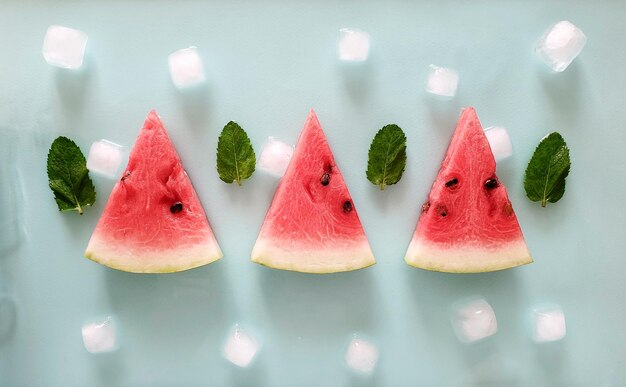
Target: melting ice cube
353	45
549	325
500	142
275	157
560	45
99	336
186	67
442	81
64	47
361	356
474	321
105	158
240	348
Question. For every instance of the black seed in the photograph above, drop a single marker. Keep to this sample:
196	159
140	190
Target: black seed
452	182
442	210
425	207
126	175
347	206
491	183
176	207
325	179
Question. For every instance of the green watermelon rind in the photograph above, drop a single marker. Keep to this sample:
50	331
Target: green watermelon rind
160	262
469	259
320	261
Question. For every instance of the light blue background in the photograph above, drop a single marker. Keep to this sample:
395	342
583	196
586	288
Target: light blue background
267	64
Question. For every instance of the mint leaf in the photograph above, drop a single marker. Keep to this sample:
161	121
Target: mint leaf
235	155
69	177
387	156
544	180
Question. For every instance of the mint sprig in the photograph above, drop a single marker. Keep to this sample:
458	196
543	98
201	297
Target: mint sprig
387	156
69	177
235	156
544	180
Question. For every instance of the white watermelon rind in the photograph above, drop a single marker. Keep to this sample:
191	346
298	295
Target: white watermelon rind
116	256
467	259
318	261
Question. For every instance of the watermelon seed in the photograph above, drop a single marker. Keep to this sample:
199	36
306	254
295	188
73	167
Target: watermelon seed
491	183
442	210
425	207
452	183
127	174
347	206
176	207
325	179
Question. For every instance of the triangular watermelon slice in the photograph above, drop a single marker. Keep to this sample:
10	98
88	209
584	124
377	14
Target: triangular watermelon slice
468	224
312	225
153	221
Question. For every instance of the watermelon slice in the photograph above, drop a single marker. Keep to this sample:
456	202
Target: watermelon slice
468	224
312	225
153	221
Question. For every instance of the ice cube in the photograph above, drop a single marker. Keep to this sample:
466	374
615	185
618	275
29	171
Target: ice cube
275	156
186	67
99	336
64	47
442	81
560	45
353	45
361	356
474	321
500	142
549	325
105	158
240	348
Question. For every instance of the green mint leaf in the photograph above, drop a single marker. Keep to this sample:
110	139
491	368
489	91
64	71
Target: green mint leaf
387	156
544	180
235	155
69	177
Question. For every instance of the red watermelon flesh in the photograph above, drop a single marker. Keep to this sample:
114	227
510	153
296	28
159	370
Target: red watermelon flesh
153	221
468	224
312	225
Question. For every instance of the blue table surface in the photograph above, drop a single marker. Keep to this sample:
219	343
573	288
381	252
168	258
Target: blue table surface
267	64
